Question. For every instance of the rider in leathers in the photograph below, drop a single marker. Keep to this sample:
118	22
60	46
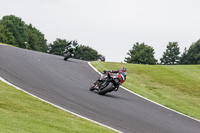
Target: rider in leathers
120	73
74	43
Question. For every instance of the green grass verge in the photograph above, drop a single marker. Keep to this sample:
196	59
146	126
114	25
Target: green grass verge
6	44
174	86
20	112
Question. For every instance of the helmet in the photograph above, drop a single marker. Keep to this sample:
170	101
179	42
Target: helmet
75	42
123	69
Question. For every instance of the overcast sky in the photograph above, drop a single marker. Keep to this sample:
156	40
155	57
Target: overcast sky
112	26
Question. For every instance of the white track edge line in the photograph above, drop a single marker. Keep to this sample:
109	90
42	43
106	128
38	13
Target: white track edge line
149	99
59	106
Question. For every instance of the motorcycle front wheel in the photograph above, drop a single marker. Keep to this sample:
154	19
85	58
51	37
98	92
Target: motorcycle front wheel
92	88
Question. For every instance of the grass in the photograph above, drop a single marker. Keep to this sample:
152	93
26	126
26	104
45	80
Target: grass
20	112
6	44
174	86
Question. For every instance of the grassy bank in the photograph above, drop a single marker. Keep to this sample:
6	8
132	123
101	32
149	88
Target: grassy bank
20	112
174	86
6	44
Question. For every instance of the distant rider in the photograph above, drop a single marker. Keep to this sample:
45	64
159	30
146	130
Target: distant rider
102	58
69	45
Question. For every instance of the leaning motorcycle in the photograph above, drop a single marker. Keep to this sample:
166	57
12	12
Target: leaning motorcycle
69	52
105	84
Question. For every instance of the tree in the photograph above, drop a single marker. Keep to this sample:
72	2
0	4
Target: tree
192	56
171	56
141	54
14	31
184	57
58	47
17	27
6	36
86	53
36	40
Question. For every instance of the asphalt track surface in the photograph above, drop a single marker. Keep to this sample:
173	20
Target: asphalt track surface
67	83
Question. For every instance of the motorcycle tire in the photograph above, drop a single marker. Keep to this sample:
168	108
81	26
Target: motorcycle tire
67	56
107	89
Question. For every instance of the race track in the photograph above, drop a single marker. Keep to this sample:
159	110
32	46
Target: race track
67	83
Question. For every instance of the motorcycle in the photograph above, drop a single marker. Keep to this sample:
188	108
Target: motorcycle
105	84
69	53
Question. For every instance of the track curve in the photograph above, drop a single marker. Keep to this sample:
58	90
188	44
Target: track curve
66	84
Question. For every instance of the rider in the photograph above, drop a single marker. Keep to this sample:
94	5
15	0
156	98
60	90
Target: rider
102	58
74	43
120	73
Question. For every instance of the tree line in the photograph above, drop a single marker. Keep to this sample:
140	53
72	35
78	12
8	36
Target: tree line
16	32
144	54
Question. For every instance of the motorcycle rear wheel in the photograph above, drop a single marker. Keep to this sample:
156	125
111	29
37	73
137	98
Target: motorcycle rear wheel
107	89
67	56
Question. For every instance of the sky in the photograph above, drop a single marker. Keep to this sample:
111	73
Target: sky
112	27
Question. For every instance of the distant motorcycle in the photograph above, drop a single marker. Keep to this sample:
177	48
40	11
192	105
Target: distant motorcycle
105	84
69	53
